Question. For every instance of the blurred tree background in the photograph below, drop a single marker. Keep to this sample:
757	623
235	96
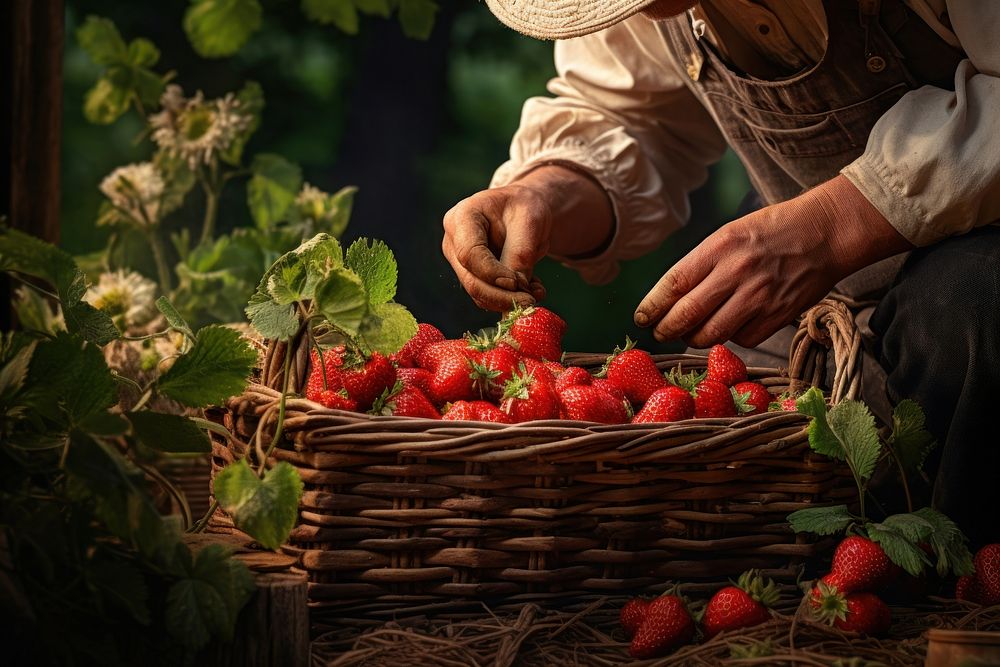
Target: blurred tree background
416	125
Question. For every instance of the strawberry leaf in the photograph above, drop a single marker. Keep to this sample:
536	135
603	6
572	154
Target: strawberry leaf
895	539
910	441
168	433
417	17
341	298
948	543
218	28
854	426
821	520
272	189
341	13
821	438
376	267
387	327
264	509
216	367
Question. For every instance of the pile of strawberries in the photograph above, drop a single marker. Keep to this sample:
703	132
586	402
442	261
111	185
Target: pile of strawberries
844	598
516	376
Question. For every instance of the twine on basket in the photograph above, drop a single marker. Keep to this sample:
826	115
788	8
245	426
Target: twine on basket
827	326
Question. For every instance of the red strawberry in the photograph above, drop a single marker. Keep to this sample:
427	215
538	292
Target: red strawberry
482	411
555	367
429	357
453	379
741	606
590	404
987	564
755	397
725	367
366	381
967	588
669	404
604	385
713	399
404	401
527	398
493	369
667	625
855	612
634	372
538	370
633	614
573	376
419	378
325	376
784	403
426	335
537	332
336	400
861	565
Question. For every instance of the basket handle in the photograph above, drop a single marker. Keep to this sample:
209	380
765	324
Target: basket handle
829	325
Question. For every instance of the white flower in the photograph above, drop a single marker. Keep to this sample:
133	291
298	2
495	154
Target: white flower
136	191
195	129
128	298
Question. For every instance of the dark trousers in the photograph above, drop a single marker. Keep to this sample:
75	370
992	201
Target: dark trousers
938	339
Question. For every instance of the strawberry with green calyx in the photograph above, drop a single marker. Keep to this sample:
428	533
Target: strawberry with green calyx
754	396
745	604
572	377
539	370
714	399
493	368
864	613
686	381
784	403
632	615
427	334
669	404
725	367
590	404
480	411
336	400
667	625
634	372
535	331
527	398
365	378
404	401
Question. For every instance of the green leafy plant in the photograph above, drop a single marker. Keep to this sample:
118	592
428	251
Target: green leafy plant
847	432
219	28
198	146
83	546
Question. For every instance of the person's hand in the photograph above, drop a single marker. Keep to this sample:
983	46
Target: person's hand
758	273
494	239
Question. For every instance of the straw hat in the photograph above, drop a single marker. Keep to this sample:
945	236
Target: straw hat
560	19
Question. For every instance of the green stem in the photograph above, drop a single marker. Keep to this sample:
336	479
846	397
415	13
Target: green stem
203	521
319	356
902	478
30	285
280	428
158	334
142	401
160	256
213	190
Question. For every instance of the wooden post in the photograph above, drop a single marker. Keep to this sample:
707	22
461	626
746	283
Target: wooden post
30	118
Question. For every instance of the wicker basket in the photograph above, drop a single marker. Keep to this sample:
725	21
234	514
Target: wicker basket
423	511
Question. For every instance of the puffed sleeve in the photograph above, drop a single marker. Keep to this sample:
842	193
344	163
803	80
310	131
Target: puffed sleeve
623	115
932	162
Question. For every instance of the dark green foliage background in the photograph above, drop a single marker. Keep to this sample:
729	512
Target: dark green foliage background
416	125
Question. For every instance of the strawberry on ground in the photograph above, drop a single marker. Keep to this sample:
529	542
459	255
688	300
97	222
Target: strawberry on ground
713	399
725	367
754	395
528	398
634	372
669	404
632	615
861	565
536	331
744	605
967	588
365	380
668	624
590	404
481	411
861	612
426	335
404	401
987	564
336	400
573	376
